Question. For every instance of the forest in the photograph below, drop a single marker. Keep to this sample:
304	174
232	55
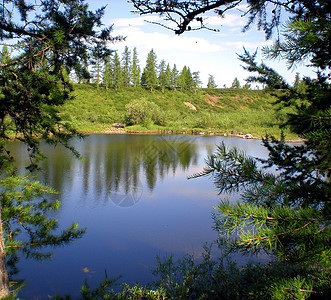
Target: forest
117	71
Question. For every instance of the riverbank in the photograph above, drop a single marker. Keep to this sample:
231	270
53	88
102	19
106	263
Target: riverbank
185	132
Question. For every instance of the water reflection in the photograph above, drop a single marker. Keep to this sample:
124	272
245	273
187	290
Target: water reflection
172	215
113	166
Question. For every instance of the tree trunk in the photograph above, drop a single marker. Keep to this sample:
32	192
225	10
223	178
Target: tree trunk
4	283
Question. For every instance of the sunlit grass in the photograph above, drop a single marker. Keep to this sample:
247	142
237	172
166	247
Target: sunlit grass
217	110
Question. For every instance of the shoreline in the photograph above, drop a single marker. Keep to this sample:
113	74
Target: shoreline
183	132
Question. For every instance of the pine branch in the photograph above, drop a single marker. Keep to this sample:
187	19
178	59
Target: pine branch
275	235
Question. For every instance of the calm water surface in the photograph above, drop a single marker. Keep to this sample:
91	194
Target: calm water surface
132	194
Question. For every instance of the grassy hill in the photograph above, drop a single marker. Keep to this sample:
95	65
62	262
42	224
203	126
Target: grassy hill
209	110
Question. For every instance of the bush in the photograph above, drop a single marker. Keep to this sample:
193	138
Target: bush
144	112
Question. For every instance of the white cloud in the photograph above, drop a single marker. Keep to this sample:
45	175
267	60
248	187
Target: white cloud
248	45
135	37
138	21
230	20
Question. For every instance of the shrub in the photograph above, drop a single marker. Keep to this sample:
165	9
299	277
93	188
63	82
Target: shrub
144	112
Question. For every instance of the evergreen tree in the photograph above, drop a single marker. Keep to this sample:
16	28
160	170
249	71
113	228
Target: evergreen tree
107	74
174	77
211	82
185	80
97	63
296	82
150	75
235	83
181	79
188	79
168	76
117	73
126	66
196	81
163	75
246	86
135	69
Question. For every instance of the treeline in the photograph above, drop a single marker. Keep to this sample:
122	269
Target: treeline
117	72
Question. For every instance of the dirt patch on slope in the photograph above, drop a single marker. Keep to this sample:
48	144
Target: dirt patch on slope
190	105
212	100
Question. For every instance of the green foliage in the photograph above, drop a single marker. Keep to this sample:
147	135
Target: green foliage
149	76
265	75
135	69
144	112
47	40
211	82
305	39
209	278
235	83
285	215
185	80
244	111
126	64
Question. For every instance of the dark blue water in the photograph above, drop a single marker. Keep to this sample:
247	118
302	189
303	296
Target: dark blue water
132	194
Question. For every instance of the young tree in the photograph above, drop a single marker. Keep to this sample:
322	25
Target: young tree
235	83
185	80
135	69
48	37
189	83
97	63
168	76
107	74
117	73
196	81
126	66
149	74
211	82
174	77
297	80
163	75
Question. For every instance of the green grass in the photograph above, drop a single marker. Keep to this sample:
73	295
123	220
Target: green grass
217	110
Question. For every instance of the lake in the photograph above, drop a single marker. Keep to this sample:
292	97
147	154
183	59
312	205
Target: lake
132	194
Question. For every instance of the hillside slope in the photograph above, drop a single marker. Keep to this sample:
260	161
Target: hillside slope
209	110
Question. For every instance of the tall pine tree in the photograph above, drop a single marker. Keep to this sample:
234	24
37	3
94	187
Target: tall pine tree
174	77
135	69
117	73
163	75
211	82
149	76
196	81
126	66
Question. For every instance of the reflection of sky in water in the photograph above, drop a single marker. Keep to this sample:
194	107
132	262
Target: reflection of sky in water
169	214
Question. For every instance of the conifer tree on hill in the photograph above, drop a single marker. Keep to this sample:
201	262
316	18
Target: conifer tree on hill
174	77
47	39
164	76
126	63
135	69
118	80
211	82
149	76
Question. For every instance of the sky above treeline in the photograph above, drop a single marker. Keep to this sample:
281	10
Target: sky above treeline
206	51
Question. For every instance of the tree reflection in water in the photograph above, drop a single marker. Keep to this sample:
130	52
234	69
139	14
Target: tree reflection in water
113	166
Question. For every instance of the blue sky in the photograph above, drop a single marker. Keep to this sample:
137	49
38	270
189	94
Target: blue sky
205	51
